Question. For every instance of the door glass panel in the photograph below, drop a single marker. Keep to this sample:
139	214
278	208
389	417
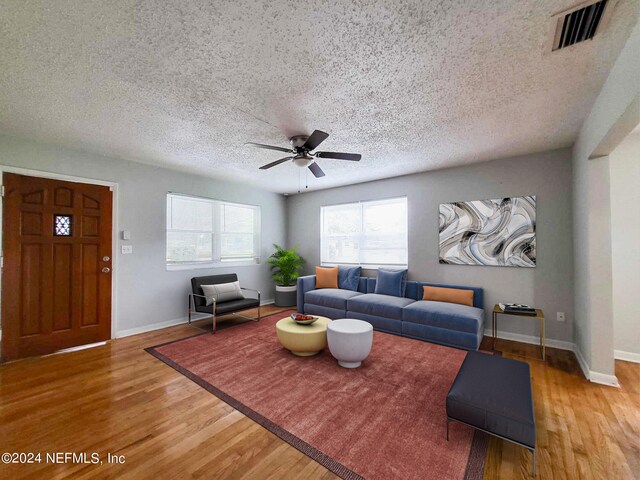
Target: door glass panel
62	225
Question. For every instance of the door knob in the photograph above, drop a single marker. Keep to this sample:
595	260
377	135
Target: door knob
106	270
106	258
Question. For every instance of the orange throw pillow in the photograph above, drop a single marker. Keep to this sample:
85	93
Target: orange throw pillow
449	295
326	277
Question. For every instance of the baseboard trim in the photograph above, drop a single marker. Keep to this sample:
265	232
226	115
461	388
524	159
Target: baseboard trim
151	327
592	376
166	324
518	337
581	361
626	356
603	379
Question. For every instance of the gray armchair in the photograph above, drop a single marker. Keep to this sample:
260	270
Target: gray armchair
198	303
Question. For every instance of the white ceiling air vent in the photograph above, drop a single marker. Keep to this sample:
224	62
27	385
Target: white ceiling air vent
579	23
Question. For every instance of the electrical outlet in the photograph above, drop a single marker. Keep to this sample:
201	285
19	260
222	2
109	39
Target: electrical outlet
560	316
127	249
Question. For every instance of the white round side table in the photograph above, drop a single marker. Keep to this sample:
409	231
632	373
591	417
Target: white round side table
349	341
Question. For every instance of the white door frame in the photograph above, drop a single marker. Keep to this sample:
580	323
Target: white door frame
114	223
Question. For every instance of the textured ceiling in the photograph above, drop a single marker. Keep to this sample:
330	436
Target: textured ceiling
412	85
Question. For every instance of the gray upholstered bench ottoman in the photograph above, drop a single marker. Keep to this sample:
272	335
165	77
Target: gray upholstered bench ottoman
493	394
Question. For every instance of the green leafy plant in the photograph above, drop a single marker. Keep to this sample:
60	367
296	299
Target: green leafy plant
286	265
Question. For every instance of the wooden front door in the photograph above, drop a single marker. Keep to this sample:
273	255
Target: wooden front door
56	280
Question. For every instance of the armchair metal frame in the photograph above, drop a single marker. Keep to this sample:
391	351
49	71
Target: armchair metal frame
192	309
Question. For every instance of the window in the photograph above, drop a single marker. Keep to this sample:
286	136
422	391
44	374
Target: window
370	234
211	232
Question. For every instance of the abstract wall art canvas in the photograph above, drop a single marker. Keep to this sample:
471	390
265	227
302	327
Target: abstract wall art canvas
498	233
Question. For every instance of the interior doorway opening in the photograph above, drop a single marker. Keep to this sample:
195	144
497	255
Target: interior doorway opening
624	165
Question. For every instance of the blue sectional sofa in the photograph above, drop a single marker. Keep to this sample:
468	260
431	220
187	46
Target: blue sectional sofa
449	324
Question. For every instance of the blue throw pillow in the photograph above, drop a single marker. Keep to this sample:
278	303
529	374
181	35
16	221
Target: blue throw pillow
391	282
348	277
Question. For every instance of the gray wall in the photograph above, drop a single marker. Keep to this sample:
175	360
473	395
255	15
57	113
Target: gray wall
546	175
147	293
618	101
624	163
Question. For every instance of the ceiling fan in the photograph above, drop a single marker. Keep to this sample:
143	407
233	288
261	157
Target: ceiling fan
301	150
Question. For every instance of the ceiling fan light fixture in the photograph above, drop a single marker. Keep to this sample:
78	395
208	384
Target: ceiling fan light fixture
302	160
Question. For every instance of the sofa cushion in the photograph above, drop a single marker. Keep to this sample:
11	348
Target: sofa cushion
230	306
444	315
348	277
379	305
330	297
417	293
449	295
444	336
391	282
222	292
383	324
197	282
326	277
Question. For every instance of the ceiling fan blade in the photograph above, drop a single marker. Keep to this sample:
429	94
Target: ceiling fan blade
269	147
277	162
316	170
340	156
316	138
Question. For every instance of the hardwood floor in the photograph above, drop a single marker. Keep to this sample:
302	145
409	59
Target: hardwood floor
118	399
584	430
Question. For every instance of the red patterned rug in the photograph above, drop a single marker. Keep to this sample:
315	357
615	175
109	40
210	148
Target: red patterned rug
384	420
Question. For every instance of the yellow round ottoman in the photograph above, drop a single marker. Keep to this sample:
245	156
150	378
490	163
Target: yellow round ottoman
303	340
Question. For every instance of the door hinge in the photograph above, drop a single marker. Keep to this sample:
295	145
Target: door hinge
1	190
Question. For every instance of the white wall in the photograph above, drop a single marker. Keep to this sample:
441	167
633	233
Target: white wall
624	165
546	175
148	294
591	213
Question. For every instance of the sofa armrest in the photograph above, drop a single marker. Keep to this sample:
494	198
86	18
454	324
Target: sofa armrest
305	284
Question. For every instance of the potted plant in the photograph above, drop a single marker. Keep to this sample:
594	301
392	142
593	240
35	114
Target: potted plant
285	270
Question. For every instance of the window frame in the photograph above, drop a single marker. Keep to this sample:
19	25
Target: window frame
362	204
216	235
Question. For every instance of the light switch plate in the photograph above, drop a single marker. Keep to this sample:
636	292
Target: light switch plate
127	249
126	235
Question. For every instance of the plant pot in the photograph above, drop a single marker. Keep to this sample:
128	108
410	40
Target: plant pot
286	296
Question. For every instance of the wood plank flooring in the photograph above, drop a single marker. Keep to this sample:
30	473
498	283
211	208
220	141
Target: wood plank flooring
118	399
584	430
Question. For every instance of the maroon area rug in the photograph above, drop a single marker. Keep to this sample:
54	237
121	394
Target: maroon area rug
383	420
